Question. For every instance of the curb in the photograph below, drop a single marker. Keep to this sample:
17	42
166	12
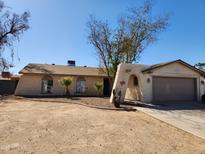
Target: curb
91	106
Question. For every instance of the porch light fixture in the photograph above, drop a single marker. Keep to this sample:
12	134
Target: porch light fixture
202	82
148	80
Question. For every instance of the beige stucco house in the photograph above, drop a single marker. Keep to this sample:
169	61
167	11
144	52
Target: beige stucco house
171	81
42	80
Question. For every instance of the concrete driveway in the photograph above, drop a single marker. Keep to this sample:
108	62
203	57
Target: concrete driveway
189	116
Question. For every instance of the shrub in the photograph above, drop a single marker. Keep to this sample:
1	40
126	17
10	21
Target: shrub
99	87
66	82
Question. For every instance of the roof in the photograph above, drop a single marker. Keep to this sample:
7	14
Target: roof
62	70
152	67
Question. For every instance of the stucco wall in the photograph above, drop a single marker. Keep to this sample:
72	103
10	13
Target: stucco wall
122	77
30	85
145	79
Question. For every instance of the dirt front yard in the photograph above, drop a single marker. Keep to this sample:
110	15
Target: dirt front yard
45	127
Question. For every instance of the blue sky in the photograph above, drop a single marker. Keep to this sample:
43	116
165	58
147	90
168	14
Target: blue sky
58	30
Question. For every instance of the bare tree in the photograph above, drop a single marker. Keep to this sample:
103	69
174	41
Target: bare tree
125	42
12	25
4	65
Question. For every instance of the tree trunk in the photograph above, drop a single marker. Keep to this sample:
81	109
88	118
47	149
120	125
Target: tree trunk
67	92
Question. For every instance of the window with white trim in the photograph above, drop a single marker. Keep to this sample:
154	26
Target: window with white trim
47	85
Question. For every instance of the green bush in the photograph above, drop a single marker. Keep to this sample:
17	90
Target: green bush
66	82
99	87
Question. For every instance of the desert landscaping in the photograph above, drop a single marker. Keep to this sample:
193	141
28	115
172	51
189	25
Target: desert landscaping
102	77
31	126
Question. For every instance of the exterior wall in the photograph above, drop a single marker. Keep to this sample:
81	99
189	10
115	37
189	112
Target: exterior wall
145	79
203	79
122	77
202	88
30	85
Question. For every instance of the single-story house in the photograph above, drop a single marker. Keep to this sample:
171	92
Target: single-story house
42	80
167	82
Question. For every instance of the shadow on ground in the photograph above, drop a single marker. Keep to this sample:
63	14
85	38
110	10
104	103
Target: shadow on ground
92	102
168	105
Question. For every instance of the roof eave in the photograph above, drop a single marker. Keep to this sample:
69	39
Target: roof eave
63	74
180	61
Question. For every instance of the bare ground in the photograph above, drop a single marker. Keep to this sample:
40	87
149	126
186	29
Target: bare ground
44	127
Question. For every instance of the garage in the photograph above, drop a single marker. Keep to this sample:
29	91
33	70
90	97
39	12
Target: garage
174	81
174	89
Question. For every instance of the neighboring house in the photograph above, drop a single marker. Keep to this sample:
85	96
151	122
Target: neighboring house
171	81
42	80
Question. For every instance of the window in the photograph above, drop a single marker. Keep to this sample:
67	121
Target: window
80	85
47	85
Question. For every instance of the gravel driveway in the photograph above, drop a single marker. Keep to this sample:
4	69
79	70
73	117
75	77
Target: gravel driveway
189	116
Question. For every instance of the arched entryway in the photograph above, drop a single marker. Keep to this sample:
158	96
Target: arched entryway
133	91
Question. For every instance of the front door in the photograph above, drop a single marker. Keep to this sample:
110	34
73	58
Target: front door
80	86
106	87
